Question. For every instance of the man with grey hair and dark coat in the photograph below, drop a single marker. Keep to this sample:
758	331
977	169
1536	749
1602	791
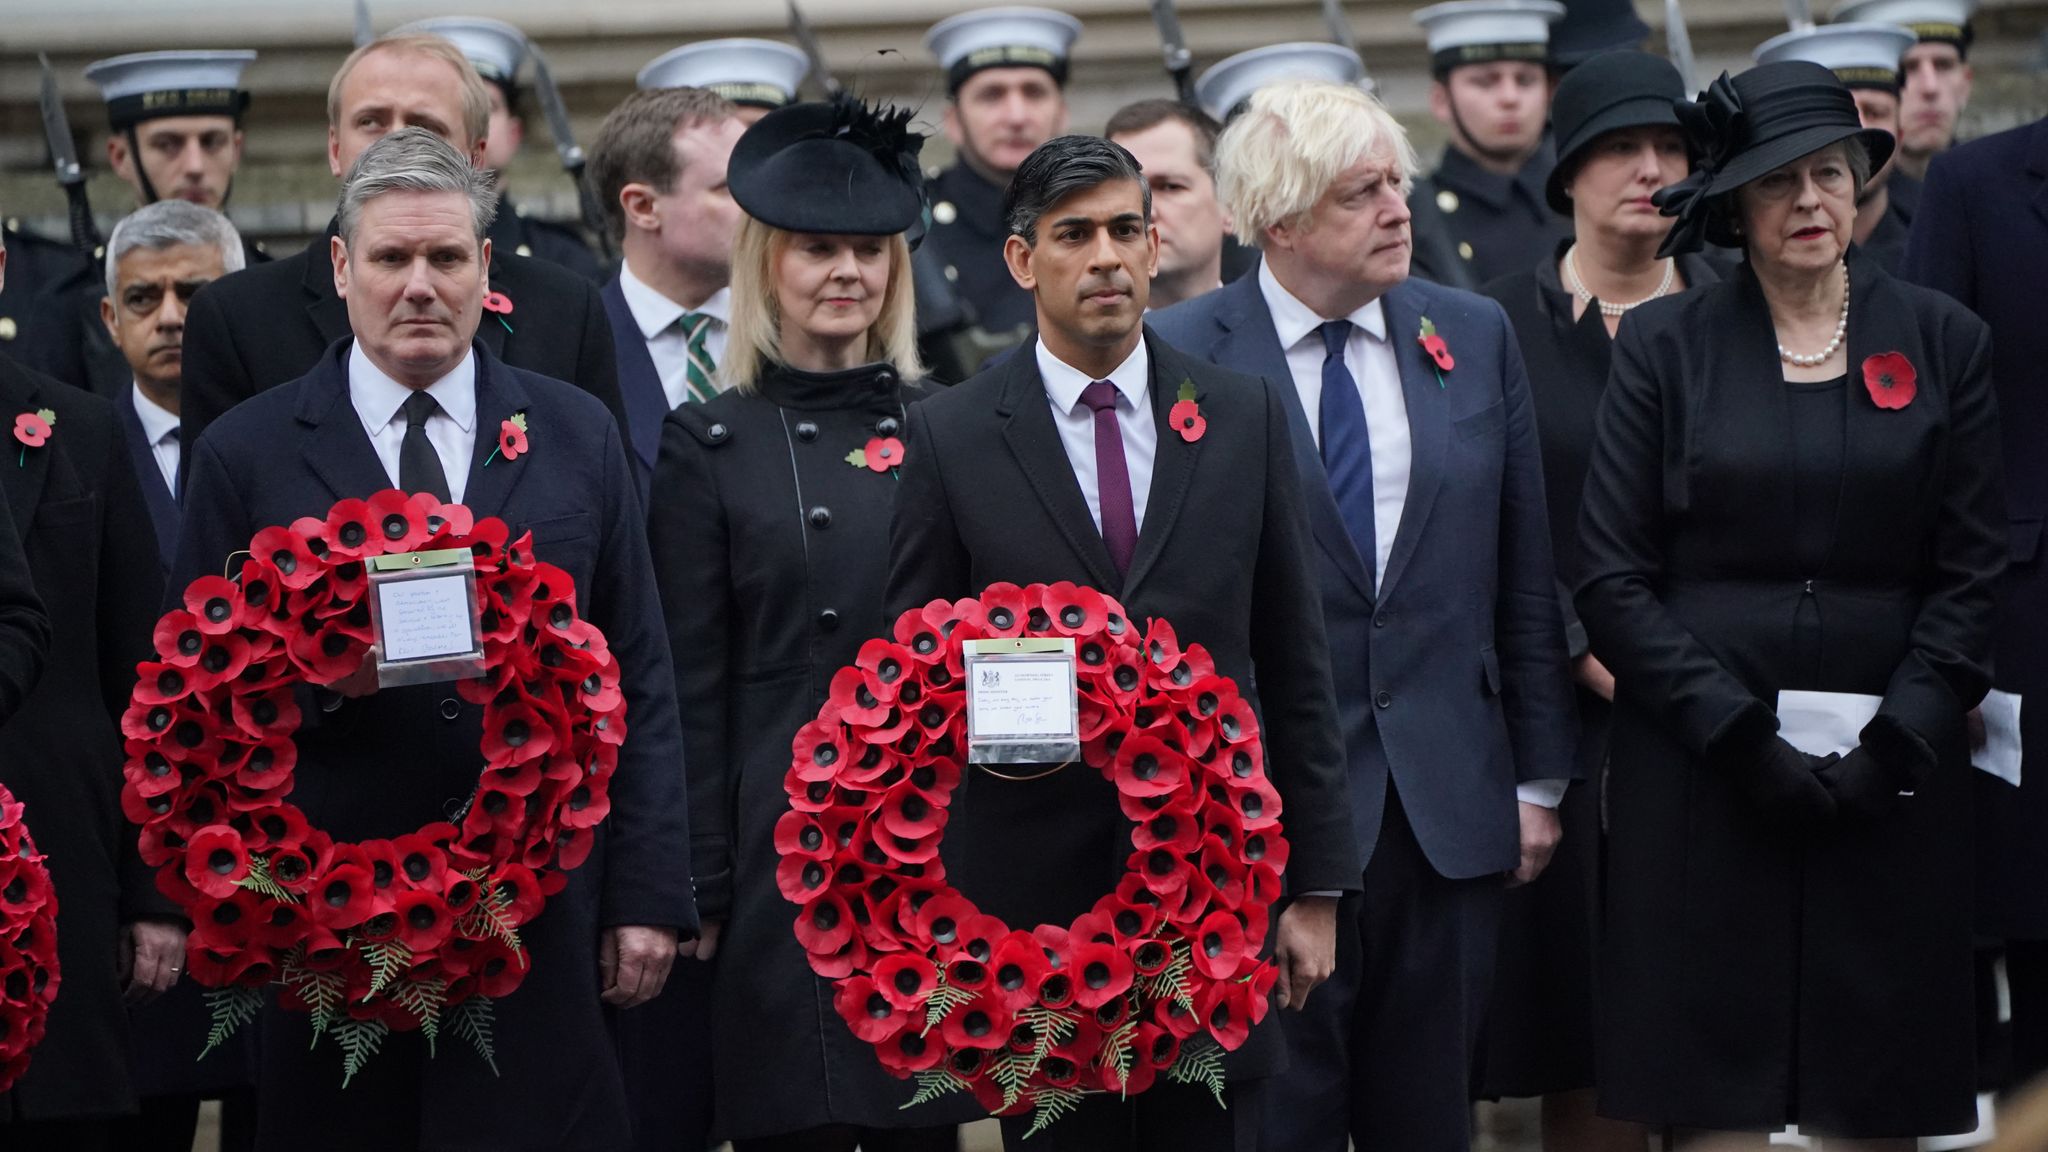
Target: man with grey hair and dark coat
414	400
1060	463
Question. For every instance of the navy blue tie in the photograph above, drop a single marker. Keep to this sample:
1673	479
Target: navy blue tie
1347	448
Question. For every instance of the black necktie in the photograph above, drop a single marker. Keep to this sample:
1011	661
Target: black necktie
419	466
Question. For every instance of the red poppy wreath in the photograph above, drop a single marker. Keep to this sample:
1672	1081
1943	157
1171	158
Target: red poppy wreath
1160	978
28	943
416	932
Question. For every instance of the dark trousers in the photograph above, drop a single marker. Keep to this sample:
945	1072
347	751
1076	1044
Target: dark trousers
846	1138
664	1051
1382	1053
91	1134
169	1123
1166	1117
2026	975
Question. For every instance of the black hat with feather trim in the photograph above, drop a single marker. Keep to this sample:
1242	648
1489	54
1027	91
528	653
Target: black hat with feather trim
839	167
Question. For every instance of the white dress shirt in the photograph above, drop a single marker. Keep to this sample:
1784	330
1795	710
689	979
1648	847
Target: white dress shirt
668	346
160	428
380	403
1076	422
1370	356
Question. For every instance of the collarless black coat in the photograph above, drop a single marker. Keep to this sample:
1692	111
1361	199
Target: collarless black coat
989	495
264	326
1755	973
765	599
92	554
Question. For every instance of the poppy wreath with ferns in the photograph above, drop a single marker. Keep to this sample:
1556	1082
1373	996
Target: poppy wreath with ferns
28	943
1159	978
420	931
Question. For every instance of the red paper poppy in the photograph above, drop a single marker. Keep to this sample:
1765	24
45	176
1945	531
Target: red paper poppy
511	440
498	302
216	861
907	1052
982	1022
1890	380
1147	766
31	429
883	453
1186	418
1439	351
872	1016
1101	973
906	979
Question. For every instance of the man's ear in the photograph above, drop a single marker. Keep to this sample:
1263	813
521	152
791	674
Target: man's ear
334	152
1152	251
485	255
636	202
952	124
1017	255
337	251
1440	101
119	158
107	318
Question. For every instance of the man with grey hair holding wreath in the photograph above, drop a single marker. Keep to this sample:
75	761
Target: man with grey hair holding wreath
413	399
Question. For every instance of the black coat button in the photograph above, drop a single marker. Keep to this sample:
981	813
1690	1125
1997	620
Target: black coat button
717	432
885	379
806	431
828	620
450	709
1384	699
1380	621
821	517
888	425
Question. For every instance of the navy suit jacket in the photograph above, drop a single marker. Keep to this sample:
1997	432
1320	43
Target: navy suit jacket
639	385
1453	678
161	501
386	763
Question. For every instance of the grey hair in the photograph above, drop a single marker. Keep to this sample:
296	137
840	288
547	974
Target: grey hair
173	224
414	160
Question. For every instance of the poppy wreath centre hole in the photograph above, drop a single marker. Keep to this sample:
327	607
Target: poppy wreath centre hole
962	993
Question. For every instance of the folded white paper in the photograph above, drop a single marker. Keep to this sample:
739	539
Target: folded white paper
1820	723
2000	753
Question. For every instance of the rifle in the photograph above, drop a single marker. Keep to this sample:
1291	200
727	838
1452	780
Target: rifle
570	154
85	234
1173	50
1678	42
364	32
808	41
1339	26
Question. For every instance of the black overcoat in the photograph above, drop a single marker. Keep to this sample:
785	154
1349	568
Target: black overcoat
1223	554
92	553
389	762
772	551
1756	971
266	325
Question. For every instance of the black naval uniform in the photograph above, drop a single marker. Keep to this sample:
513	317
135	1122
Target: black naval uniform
1496	225
516	234
33	265
1887	244
966	243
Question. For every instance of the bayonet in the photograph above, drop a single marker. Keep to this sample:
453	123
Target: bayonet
1799	15
85	234
808	41
1339	26
364	32
1678	42
567	150
1173	50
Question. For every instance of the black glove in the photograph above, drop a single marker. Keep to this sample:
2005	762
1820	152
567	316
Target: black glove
1862	785
1781	780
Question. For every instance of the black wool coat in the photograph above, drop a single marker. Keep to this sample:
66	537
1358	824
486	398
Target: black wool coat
1758	971
92	553
1223	554
771	551
263	326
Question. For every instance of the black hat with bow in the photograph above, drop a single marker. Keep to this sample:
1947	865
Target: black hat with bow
1749	126
837	167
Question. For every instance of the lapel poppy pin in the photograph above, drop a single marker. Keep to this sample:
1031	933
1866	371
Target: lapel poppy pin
1890	378
880	454
1439	352
1186	415
33	430
511	439
500	305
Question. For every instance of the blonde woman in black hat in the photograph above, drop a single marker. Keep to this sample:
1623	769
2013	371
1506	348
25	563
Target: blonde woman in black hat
1791	525
771	550
1619	142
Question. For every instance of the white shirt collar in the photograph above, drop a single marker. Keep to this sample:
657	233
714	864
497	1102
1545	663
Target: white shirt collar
1294	321
654	312
157	422
378	398
1064	383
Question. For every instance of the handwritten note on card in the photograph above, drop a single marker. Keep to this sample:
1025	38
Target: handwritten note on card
1023	698
425	618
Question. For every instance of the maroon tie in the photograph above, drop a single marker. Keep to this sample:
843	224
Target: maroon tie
1112	477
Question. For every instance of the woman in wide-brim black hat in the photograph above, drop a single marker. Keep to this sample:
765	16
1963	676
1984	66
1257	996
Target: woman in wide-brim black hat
771	549
1618	141
1794	488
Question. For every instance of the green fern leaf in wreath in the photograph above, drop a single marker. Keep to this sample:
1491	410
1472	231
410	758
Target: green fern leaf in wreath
230	1008
388	961
424	999
1048	1105
323	991
471	1020
260	881
491	915
944	998
933	1084
359	1040
1200	1063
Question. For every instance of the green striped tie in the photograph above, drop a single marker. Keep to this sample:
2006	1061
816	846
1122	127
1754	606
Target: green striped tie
700	372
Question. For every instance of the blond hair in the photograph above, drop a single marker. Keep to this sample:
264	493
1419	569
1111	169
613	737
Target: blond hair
476	99
754	339
1277	159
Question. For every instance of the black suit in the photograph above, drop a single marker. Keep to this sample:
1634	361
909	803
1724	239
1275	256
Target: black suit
1223	554
89	547
261	327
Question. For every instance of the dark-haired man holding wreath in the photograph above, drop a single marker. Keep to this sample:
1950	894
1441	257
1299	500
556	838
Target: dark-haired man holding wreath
1061	463
413	400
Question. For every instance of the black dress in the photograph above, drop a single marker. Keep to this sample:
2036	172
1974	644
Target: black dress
1742	536
1539	1028
771	551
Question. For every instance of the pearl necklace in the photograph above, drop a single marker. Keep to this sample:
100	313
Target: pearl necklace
1571	271
1841	332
